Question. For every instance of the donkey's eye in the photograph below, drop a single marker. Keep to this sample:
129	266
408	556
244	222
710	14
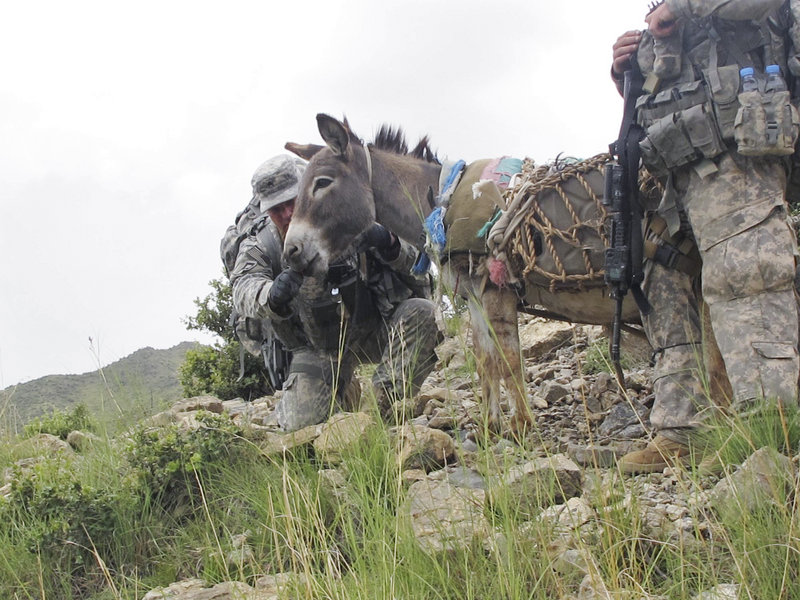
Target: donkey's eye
320	183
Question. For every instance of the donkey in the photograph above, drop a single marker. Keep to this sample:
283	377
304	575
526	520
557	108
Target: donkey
349	185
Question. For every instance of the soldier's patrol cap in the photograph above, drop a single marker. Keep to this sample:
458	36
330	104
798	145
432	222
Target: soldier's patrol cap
276	180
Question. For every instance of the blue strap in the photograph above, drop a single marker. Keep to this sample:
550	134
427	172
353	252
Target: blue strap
451	182
434	222
422	265
434	225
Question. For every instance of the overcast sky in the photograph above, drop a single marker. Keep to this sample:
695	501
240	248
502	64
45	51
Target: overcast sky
129	133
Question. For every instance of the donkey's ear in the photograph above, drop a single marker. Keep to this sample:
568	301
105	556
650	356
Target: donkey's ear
305	151
334	133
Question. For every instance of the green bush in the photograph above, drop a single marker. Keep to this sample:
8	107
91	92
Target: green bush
215	370
60	423
168	461
69	524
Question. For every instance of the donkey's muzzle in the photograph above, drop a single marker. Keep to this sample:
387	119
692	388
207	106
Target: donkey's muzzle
303	258
293	255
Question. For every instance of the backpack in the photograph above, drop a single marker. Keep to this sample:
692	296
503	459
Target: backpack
252	333
242	226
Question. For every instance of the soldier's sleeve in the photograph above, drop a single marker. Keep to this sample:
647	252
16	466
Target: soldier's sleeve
403	264
251	280
405	259
734	10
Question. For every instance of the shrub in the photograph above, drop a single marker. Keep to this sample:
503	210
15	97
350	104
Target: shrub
60	423
168	461
215	370
67	523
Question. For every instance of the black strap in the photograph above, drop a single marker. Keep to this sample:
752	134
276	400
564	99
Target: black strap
311	369
269	238
626	148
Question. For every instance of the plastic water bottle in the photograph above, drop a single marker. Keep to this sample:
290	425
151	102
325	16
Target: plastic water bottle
775	82
748	79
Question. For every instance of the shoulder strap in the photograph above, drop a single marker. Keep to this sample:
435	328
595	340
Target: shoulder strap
269	238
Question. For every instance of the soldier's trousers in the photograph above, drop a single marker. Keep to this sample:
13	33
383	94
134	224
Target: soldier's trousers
320	383
748	250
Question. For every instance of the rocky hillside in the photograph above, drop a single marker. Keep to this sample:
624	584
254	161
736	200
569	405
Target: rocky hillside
147	376
570	503
583	424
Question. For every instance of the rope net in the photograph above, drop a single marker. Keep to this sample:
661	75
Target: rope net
552	233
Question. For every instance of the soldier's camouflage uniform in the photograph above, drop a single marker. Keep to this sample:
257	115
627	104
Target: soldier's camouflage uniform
365	311
733	206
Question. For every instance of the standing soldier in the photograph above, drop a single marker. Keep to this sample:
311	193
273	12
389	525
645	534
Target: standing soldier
722	143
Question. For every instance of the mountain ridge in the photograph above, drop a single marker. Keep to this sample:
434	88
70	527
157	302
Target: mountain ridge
147	375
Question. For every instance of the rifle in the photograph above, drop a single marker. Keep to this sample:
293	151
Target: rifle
624	269
276	361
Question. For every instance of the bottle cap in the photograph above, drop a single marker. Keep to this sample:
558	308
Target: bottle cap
745	71
772	70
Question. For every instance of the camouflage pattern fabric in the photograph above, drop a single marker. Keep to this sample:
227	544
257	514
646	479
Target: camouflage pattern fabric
748	252
319	382
734	208
674	330
387	325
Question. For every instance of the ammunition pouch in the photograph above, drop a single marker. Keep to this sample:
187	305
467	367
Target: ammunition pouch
327	317
767	124
250	332
689	121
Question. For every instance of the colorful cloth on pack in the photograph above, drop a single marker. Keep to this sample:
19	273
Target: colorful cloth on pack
477	201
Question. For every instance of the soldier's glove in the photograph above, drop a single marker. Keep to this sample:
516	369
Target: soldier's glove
284	288
382	240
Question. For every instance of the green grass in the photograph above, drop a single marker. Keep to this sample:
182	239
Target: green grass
96	527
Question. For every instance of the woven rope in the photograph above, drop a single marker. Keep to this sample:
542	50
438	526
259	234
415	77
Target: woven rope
512	237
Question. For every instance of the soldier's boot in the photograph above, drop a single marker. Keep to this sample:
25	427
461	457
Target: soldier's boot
656	456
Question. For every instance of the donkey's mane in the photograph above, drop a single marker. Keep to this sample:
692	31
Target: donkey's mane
392	139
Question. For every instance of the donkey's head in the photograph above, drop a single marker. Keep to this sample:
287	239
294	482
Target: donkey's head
335	201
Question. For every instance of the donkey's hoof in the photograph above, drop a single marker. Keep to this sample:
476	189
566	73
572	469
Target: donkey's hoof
521	425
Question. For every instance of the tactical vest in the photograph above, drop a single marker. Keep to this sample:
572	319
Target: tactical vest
694	107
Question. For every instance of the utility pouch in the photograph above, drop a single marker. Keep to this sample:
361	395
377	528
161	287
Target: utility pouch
724	91
680	138
653	107
767	124
666	145
700	126
250	333
327	318
680	127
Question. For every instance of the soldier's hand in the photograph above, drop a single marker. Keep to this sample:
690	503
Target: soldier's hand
284	289
624	47
382	240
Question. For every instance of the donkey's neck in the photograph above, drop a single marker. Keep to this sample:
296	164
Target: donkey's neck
400	186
